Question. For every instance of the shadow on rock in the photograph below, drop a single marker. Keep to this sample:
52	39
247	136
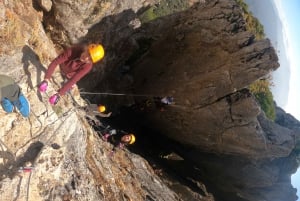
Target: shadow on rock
29	56
11	165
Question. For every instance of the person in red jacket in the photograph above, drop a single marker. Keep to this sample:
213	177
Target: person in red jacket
74	64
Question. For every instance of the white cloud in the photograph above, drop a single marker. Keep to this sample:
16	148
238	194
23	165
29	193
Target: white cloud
293	106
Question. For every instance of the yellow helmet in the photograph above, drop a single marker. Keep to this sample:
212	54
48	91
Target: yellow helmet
96	52
132	139
101	108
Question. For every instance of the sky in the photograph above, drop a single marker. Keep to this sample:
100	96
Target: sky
289	14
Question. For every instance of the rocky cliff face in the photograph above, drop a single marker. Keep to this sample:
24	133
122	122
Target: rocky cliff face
204	60
70	160
202	56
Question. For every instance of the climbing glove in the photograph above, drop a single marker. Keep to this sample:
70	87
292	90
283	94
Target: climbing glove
105	136
54	99
43	86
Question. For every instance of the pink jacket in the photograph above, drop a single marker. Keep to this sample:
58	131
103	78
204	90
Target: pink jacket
71	67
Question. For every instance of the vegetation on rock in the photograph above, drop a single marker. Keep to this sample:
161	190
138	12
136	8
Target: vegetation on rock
260	88
252	23
263	94
165	7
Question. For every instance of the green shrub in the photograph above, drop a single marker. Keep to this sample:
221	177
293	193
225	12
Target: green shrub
163	8
252	23
148	15
261	90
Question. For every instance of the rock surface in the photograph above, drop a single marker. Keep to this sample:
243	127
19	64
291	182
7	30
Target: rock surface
70	161
45	4
204	60
79	16
203	57
206	72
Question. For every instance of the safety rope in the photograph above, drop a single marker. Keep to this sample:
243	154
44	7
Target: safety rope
116	94
28	186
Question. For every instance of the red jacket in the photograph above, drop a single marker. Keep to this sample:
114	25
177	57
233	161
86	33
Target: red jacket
71	67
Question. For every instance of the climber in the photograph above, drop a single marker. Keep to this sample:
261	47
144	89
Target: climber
93	111
162	102
118	138
11	96
167	100
74	63
96	110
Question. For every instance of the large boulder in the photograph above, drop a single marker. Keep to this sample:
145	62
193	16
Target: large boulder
204	60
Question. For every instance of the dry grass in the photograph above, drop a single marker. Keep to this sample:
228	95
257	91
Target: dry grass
11	31
20	26
37	43
94	169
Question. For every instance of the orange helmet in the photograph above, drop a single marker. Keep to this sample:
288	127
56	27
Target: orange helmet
132	138
96	52
101	108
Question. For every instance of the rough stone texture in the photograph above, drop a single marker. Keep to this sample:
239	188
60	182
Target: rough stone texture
204	60
115	24
286	120
45	4
79	16
235	178
80	169
70	161
202	56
